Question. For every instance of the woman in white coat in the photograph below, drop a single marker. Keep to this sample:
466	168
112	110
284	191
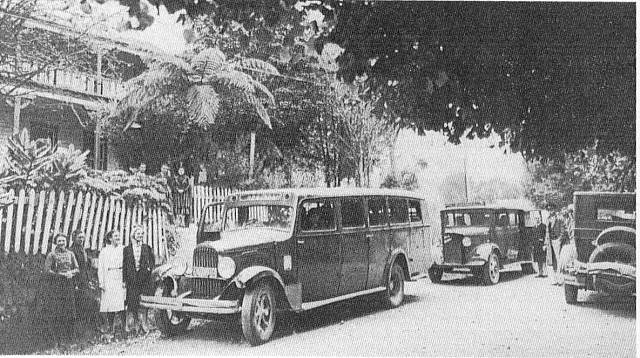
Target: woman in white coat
112	287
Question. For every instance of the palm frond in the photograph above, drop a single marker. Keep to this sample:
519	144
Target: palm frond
204	103
175	61
237	79
254	64
259	107
264	90
161	79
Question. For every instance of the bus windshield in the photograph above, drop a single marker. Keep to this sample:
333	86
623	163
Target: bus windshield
466	218
279	217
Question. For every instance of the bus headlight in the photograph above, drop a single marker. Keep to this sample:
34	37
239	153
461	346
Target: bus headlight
226	267
466	242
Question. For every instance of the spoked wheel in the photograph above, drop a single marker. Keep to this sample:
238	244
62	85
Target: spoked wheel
394	293
491	270
169	322
258	313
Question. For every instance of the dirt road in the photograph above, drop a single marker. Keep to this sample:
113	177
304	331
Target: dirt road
521	316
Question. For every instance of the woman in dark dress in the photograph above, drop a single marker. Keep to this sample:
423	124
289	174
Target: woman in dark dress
138	262
57	309
182	196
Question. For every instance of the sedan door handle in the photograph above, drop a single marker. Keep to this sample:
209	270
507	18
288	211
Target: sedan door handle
368	236
300	241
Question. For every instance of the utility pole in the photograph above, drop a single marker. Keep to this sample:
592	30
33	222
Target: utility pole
466	191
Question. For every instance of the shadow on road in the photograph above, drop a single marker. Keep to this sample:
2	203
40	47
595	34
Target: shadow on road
455	279
336	313
620	306
230	331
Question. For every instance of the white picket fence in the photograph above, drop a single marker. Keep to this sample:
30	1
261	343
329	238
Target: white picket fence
205	195
30	222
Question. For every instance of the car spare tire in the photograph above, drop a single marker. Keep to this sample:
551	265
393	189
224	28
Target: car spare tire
614	252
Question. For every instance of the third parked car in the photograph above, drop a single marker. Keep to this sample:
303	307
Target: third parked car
482	240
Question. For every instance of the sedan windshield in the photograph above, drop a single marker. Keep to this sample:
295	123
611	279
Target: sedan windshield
278	217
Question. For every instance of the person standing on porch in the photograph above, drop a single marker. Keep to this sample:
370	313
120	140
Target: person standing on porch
138	262
112	286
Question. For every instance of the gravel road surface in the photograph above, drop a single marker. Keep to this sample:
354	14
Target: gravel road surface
521	316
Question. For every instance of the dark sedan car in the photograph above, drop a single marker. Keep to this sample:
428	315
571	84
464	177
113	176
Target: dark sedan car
483	241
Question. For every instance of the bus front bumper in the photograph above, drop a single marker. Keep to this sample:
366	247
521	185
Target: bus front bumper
182	304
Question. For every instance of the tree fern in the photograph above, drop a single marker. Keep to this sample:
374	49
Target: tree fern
204	104
253	64
196	80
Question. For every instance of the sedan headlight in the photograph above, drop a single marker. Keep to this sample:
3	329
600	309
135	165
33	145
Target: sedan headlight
466	242
226	267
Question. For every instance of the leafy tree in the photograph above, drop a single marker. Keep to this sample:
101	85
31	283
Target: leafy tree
549	78
552	183
363	133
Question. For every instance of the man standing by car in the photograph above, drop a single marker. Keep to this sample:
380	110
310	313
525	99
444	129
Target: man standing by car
539	249
555	229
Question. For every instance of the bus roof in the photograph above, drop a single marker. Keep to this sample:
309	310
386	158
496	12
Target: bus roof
302	193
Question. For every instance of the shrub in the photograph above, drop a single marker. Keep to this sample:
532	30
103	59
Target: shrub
405	180
27	161
133	188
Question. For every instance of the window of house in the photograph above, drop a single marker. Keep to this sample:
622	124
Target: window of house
352	211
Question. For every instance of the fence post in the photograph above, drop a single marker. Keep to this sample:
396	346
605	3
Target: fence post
106	214
90	216
38	228
77	211
1	217
127	220
121	213
7	234
95	245
69	210
29	223
85	214
47	223
57	222
20	211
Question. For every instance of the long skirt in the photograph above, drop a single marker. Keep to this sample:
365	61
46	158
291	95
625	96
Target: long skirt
113	297
55	301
